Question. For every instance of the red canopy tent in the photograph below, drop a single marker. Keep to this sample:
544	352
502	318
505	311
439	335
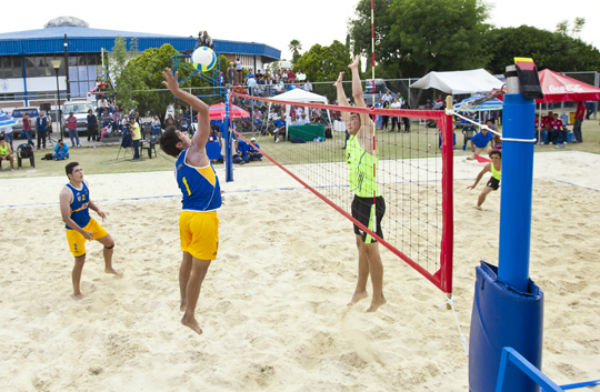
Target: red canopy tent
559	88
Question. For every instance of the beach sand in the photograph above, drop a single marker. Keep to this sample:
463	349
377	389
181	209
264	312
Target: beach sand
273	305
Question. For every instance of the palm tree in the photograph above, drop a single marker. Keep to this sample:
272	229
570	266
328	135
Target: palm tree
295	47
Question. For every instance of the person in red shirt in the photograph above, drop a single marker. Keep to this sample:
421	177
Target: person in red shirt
27	129
579	114
558	130
547	128
72	125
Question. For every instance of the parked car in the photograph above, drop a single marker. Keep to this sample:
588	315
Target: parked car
380	89
80	111
17	114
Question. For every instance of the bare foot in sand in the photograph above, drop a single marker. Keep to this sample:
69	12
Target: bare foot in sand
338	82
112	271
478	208
357	297
354	63
77	296
376	303
191	323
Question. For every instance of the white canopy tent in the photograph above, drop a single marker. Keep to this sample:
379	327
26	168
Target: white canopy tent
459	82
299	95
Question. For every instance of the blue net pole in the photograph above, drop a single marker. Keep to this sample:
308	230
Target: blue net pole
227	137
516	193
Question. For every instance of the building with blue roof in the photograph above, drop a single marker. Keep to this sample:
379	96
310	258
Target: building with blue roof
28	78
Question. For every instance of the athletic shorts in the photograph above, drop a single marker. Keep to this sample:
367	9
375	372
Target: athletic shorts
77	240
493	183
199	234
361	211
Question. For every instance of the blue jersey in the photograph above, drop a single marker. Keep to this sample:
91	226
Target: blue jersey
80	212
480	140
199	186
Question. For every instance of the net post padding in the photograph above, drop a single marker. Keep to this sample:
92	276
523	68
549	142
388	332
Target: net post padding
442	278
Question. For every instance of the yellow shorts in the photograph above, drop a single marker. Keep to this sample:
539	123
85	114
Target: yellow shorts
199	234
77	240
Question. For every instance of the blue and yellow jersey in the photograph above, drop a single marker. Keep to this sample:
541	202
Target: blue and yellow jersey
199	185
80	212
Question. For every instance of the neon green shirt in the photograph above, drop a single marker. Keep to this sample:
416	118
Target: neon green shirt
360	169
497	174
4	150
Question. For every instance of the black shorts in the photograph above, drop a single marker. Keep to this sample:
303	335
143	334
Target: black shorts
361	211
493	183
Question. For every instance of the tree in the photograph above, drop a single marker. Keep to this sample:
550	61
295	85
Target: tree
552	50
413	37
295	47
562	27
145	73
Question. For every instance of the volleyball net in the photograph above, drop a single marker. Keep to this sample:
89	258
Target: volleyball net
412	170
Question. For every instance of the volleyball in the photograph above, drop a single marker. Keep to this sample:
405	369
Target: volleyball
204	58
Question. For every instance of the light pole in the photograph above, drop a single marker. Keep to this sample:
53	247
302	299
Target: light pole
56	66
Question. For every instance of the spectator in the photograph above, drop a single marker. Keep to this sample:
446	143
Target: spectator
102	104
6	152
308	86
387	97
279	128
396	104
92	126
231	73
72	126
61	150
559	133
8	136
301	77
238	71
155	125
579	115
480	142
136	136
251	84
253	151
41	126
169	122
406	120
27	129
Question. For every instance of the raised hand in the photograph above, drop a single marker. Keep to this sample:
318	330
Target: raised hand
170	80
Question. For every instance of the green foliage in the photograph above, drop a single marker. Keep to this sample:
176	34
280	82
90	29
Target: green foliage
553	50
145	73
413	37
324	63
295	47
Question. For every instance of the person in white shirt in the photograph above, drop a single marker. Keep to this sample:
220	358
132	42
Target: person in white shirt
387	97
308	86
395	120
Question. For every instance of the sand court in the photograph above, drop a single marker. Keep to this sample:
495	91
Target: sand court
273	305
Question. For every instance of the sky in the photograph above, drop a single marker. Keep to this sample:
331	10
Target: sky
271	22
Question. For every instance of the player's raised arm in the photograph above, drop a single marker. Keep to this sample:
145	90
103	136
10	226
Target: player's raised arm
342	99
357	92
201	136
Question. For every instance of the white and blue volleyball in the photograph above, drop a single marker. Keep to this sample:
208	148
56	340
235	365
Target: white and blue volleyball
204	58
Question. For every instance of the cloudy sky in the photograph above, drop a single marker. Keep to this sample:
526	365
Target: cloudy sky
272	22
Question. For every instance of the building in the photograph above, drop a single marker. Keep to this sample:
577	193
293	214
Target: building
27	77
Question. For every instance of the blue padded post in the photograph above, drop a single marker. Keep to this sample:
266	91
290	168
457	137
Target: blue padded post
227	136
508	306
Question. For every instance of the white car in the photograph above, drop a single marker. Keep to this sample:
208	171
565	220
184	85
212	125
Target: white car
80	111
